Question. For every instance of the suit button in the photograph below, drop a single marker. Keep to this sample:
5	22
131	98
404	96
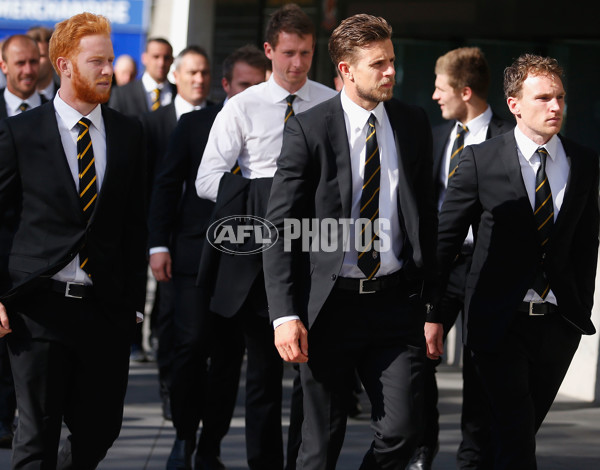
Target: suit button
333	277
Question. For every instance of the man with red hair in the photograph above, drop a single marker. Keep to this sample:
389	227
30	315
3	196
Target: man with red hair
77	263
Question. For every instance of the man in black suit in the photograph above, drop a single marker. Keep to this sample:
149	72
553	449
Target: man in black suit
529	294
48	82
77	260
153	90
20	64
461	89
177	226
192	79
358	167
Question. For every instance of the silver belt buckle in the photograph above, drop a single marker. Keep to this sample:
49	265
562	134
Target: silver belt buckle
531	304
68	290
361	288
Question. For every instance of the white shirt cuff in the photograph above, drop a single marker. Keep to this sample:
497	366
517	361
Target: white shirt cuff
158	249
280	321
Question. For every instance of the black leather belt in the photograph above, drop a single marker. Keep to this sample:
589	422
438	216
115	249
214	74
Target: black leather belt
72	290
534	309
370	286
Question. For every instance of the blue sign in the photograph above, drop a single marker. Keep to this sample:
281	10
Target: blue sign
127	16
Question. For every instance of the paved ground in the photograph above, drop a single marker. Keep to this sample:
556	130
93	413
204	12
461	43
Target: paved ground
568	440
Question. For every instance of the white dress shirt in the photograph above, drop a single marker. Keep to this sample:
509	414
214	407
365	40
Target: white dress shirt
356	119
249	130
478	128
166	95
13	102
557	171
67	118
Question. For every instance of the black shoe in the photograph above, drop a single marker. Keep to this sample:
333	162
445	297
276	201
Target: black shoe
209	462
181	455
6	436
422	458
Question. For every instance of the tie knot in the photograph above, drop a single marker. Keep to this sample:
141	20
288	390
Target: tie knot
23	107
462	129
290	99
84	123
542	153
372	120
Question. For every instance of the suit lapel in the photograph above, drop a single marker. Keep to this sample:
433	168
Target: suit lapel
338	137
140	95
574	183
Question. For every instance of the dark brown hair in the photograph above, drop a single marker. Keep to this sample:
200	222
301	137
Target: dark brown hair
290	19
528	64
354	33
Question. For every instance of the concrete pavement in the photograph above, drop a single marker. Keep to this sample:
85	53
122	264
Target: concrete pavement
568	440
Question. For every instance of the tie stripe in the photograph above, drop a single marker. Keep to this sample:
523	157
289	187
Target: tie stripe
289	110
544	220
155	99
88	192
457	146
369	258
23	107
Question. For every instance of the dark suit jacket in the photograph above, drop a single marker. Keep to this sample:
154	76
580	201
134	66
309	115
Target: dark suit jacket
441	134
131	99
8	218
158	127
52	228
314	180
178	217
488	185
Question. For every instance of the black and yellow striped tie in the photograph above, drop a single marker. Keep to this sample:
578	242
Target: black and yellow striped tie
155	99
289	111
457	146
369	259
544	220
87	180
23	107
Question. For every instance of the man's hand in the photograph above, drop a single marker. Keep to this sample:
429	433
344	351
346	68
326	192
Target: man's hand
160	263
434	336
291	340
4	325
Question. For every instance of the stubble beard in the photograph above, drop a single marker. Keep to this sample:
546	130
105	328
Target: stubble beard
377	94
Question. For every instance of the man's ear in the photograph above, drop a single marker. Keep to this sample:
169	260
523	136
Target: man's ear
514	105
344	70
65	67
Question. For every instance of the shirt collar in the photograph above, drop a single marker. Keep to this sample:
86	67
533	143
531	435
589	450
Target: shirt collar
478	123
528	147
278	93
71	116
182	106
13	101
151	84
357	115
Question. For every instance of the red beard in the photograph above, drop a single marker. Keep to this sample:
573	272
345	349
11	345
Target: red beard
85	91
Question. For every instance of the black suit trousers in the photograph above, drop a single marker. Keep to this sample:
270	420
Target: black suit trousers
521	382
381	336
264	373
68	363
197	391
473	452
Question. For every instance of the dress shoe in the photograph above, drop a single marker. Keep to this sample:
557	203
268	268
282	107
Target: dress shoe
209	462
422	458
6	435
181	455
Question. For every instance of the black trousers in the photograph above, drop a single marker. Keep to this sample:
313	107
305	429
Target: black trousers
381	336
264	373
205	367
521	381
474	449
68	364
